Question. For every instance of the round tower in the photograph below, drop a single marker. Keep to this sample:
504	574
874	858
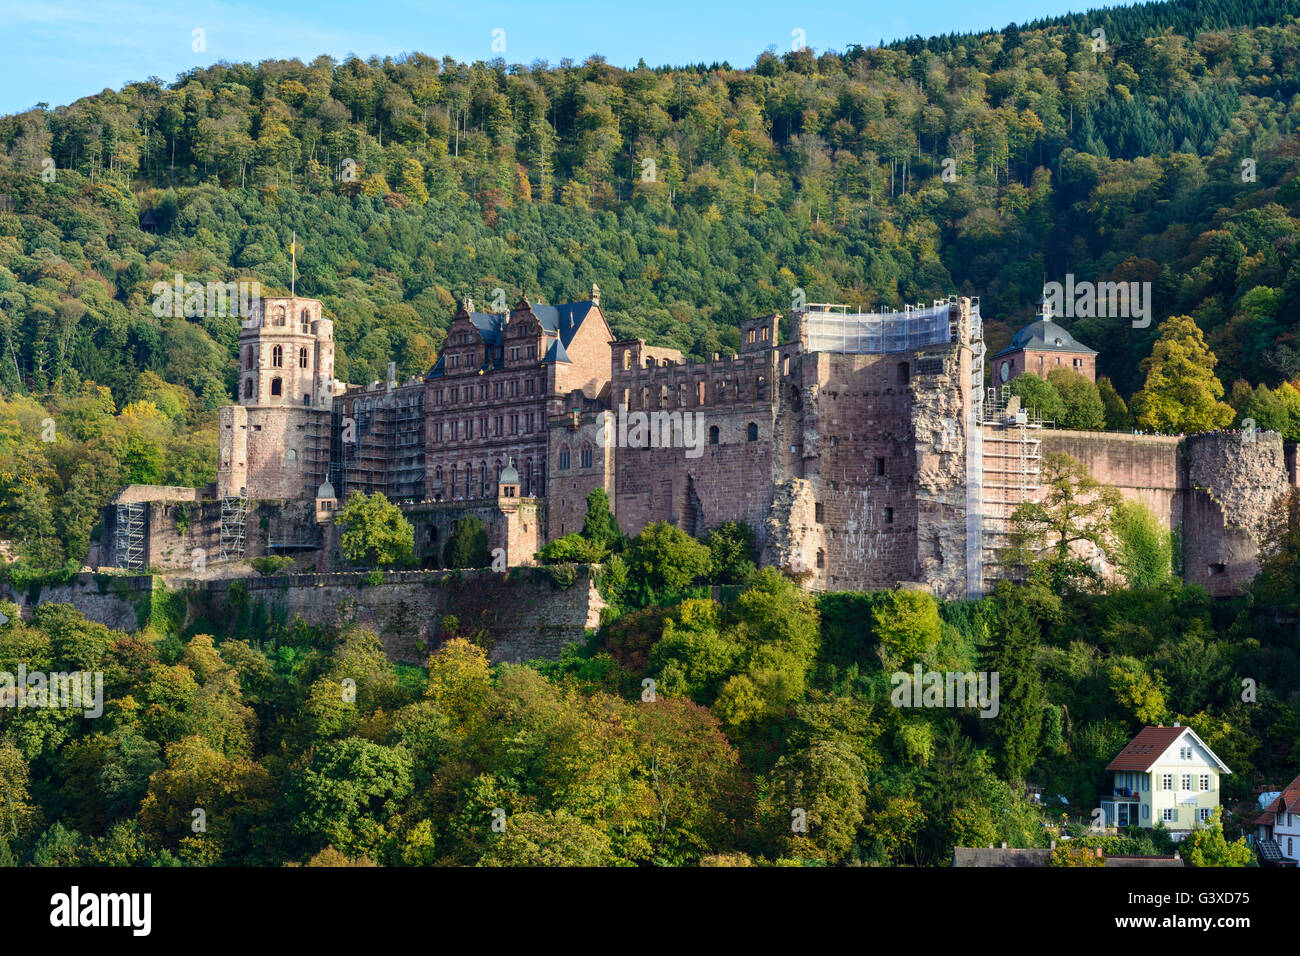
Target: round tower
286	355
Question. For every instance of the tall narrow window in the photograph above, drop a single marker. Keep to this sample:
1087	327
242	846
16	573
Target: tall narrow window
277	356
302	358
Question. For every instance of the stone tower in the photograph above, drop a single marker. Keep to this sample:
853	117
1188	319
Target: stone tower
275	442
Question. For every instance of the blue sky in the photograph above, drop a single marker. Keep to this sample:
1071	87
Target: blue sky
56	51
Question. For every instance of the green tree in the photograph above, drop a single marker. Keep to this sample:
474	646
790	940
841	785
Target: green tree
1207	846
467	545
733	554
1073	514
1083	408
599	526
375	532
905	625
1012	654
1038	396
1143	549
663	558
1117	413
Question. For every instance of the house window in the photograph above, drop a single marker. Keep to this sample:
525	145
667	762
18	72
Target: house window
1203	814
1166	781
1167	814
1146	811
1146	782
1205	781
1187	781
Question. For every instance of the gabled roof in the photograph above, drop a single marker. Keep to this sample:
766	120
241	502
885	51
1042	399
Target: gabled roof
1044	335
1288	801
1151	743
560	323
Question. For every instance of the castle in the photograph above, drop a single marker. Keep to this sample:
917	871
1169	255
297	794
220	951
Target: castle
865	451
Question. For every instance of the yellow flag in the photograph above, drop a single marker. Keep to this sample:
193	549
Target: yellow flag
291	249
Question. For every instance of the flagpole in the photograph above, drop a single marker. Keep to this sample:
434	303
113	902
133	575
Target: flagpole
293	279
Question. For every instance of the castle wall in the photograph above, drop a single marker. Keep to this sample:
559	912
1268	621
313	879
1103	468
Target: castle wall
1146	468
572	434
524	615
704	455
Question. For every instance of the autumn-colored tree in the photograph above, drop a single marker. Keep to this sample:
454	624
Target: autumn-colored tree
1181	394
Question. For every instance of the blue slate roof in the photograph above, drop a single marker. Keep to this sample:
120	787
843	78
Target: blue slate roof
559	322
1044	335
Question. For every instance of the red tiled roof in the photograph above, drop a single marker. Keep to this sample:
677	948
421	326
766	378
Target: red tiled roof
1145	749
1287	800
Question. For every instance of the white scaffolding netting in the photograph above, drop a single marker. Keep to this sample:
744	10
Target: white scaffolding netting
865	333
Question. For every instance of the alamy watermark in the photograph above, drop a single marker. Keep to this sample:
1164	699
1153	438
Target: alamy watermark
183	299
949	689
1102	300
658	429
78	690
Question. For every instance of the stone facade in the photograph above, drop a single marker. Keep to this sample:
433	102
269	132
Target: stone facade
865	452
527	614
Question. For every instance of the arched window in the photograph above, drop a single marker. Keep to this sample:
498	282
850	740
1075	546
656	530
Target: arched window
904	373
248	388
278	318
277	356
306	321
291	454
627	361
563	464
713	434
302	358
277	386
585	457
751	432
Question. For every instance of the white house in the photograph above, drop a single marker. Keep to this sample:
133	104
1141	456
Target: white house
1165	775
1277	829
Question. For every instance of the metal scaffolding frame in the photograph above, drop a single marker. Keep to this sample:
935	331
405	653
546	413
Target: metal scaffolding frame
128	536
234	517
832	328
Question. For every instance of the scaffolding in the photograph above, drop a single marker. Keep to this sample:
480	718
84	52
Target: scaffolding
234	517
832	328
1011	454
128	533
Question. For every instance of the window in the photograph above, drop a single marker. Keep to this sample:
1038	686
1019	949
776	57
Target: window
1203	814
1146	782
277	356
278	318
751	432
713	434
1205	781
821	558
1146	811
1167	814
889	516
1187	781
277	387
586	456
248	388
302	358
819	512
306	399
880	466
904	373
564	458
